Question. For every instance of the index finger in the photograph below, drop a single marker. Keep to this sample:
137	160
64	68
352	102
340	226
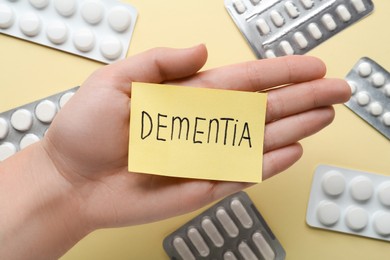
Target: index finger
260	75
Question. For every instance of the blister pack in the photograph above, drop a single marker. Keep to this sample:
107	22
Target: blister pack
231	229
97	29
27	124
370	85
285	27
350	201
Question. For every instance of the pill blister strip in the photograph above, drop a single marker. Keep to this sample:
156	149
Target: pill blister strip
27	124
96	29
350	201
231	229
279	27
370	86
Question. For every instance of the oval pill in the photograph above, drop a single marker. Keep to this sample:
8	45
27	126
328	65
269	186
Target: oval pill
263	27
246	252
277	18
4	128
359	5
291	9
329	22
270	54
287	48
22	120
27	140
198	241
239	6
57	32
7	16
241	213
343	13
30	24
119	19
314	31
182	248
46	111
301	40
212	232
307	3
229	256
227	223
263	246
6	150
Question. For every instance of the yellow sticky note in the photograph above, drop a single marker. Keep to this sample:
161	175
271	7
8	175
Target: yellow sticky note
196	132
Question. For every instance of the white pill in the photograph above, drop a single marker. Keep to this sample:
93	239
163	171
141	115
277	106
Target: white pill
378	79
262	245
359	5
57	32
92	11
229	256
353	87
364	69
30	24
4	128
119	19
263	26
384	193
363	98
246	252
198	241
270	54
386	119
291	9
212	232
382	223
27	140
277	18
182	248
287	48
227	223
241	213
45	111
39	4
333	183
255	2
386	89
328	213
307	3
343	13
239	6
7	16
301	40
84	40
22	120
314	31
65	98
6	150
361	188
329	22
111	47
356	218
65	7
376	109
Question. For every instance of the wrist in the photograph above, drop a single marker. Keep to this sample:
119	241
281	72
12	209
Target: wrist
41	215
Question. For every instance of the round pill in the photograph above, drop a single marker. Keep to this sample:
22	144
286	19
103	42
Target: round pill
287	48
364	69
7	16
378	80
376	109
384	193
57	32
356	218
111	48
92	12
386	119
328	213
27	140
382	223
333	183
46	111
84	40
361	188
65	98
22	120
119	19
6	150
343	13
329	22
30	24
301	40
353	87
39	4
65	7
387	90
3	128
363	98
314	31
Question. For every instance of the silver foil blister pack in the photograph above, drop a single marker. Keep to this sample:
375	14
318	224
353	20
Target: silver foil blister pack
284	27
232	229
350	201
27	124
370	86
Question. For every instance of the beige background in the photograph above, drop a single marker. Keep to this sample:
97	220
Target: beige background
29	72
